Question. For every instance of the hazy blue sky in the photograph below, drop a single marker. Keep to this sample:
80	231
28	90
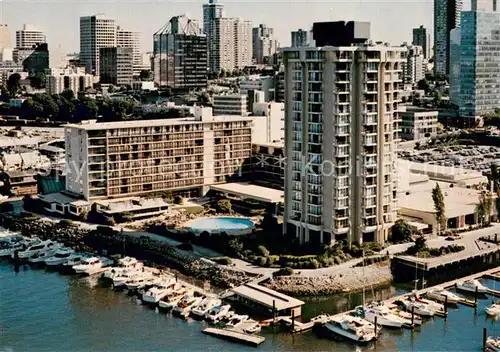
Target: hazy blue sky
391	20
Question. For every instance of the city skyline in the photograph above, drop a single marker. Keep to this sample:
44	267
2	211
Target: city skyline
146	17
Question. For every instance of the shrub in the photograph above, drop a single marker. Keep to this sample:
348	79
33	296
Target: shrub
65	223
178	200
287	271
84	215
223	206
313	264
109	220
260	261
225	261
261	250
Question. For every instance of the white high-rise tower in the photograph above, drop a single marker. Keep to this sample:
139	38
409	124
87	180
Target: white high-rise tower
98	31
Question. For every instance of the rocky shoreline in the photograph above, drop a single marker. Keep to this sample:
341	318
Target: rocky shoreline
348	280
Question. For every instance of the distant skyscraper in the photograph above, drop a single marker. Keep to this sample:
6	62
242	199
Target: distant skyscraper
116	65
29	37
422	38
129	39
264	44
4	36
98	31
180	55
340	178
455	66
211	11
479	60
446	17
301	38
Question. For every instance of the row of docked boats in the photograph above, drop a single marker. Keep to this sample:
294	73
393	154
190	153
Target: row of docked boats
164	292
52	254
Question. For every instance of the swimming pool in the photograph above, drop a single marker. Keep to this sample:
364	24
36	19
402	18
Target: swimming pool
219	224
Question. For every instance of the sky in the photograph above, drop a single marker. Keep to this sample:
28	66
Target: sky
391	21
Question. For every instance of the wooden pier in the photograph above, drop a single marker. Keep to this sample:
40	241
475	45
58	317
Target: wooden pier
235	335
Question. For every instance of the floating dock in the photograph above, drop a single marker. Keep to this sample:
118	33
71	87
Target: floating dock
235	335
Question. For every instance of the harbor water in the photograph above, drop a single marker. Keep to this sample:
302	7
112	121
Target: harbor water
46	311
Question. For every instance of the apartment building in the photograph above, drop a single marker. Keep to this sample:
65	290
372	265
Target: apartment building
131	158
70	78
96	32
4	36
29	37
301	37
257	82
340	175
269	121
116	66
264	44
414	68
230	104
418	123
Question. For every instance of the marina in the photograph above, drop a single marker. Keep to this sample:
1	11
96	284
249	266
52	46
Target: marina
363	324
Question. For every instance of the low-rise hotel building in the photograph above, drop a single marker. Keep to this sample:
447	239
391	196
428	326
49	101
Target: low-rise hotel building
133	158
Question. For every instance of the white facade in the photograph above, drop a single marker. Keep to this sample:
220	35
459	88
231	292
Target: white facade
418	123
29	37
261	83
340	176
231	46
96	32
230	104
269	123
129	39
415	66
132	158
72	78
264	44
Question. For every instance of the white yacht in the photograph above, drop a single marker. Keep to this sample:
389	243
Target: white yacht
353	328
472	286
493	310
7	249
90	265
443	296
61	256
251	327
208	303
171	299
121	279
157	292
217	313
41	257
406	316
129	262
420	308
139	281
38	248
383	315
236	321
185	305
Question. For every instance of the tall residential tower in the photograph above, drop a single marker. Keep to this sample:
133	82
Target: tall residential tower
422	38
341	133
446	18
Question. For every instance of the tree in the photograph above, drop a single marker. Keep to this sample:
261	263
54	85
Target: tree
223	206
178	200
37	80
437	99
32	108
262	251
144	75
235	247
13	84
483	208
401	232
68	94
423	85
439	207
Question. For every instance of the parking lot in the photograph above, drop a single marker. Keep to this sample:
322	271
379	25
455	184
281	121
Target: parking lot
477	158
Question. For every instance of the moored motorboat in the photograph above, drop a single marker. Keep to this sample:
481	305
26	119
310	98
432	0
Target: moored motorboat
419	308
41	257
61	256
493	310
185	305
251	327
353	328
380	314
443	296
36	249
407	316
472	286
90	266
216	314
208	303
236	321
493	344
157	292
172	298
